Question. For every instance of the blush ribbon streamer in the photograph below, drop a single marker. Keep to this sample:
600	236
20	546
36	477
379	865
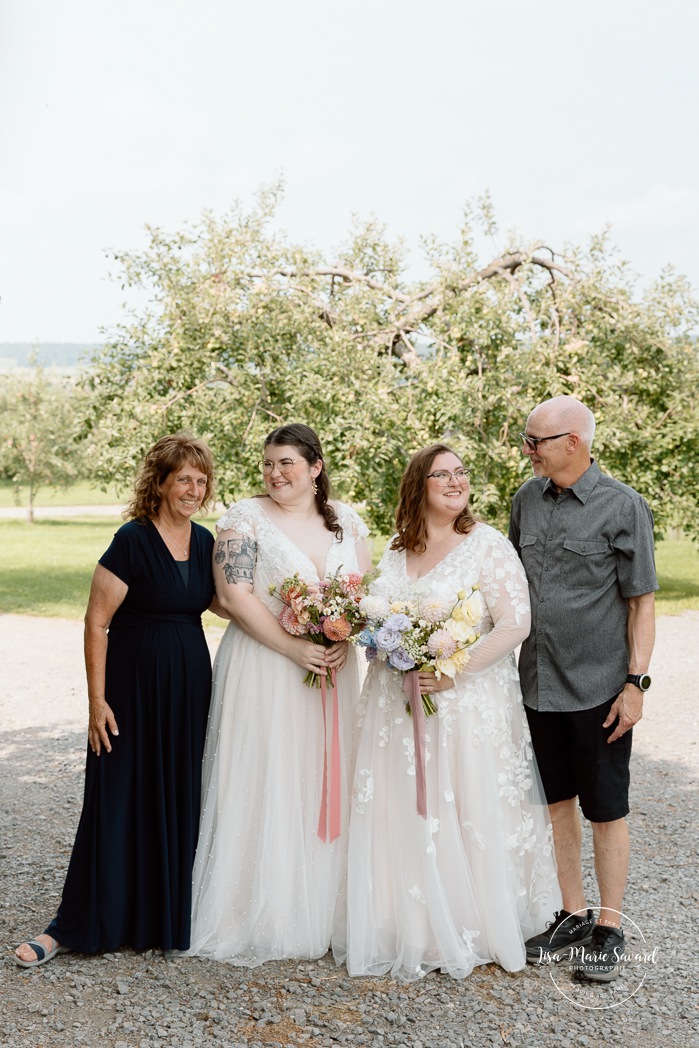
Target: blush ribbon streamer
411	687
330	796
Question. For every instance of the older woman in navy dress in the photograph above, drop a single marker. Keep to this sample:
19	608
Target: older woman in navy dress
149	685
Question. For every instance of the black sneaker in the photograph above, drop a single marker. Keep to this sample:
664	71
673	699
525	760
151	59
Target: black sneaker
566	931
601	961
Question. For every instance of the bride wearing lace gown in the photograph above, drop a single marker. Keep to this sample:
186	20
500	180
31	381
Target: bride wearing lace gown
476	878
265	886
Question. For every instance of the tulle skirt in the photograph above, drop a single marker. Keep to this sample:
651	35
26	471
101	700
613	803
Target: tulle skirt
265	885
476	878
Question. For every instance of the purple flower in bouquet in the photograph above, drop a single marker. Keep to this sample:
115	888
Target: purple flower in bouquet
400	660
387	639
398	622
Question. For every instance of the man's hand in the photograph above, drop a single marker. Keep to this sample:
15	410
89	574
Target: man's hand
628	707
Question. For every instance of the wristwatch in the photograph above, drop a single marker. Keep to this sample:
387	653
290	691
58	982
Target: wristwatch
641	680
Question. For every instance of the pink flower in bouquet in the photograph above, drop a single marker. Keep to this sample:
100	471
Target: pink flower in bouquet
441	644
352	584
291	623
433	610
299	606
337	629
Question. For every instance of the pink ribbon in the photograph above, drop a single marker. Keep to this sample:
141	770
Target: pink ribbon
331	797
411	687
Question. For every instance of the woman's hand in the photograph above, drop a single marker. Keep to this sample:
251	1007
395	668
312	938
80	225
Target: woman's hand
336	656
107	593
429	683
101	718
307	655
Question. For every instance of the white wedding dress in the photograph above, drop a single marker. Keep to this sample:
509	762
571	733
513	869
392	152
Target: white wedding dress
265	886
474	880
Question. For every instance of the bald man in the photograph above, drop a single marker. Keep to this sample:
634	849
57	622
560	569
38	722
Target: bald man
586	543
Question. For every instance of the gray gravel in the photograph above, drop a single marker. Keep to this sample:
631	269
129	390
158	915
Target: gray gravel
127	999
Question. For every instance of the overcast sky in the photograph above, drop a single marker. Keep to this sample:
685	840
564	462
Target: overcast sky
118	113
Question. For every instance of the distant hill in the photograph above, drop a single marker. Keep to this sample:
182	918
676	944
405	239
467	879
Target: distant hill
50	354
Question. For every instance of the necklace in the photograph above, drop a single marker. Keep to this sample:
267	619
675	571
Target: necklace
161	527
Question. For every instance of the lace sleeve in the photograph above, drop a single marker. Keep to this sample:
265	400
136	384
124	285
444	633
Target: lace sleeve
240	517
506	594
351	521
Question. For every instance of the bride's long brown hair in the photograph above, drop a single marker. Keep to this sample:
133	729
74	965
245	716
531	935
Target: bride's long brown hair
411	514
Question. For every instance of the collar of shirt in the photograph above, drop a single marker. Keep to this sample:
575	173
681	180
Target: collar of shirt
582	488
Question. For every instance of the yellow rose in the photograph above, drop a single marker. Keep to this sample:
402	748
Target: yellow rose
445	666
472	609
458	630
460	659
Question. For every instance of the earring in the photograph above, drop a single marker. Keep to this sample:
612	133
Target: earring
314	486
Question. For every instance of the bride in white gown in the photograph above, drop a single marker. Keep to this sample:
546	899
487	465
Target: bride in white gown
265	885
477	877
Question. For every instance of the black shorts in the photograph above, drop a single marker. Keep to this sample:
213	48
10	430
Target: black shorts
575	760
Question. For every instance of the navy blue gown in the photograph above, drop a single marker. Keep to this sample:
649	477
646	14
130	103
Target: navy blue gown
129	881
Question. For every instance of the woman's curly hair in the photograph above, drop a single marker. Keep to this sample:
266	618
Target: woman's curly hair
168	455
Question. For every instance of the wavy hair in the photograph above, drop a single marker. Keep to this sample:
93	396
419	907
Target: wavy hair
411	514
305	440
168	455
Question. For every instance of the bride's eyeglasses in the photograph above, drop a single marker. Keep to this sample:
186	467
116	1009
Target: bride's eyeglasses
284	466
444	477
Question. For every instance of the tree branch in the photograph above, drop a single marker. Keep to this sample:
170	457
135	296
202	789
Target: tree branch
182	395
415	310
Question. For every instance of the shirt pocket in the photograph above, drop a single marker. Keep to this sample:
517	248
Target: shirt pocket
528	554
586	563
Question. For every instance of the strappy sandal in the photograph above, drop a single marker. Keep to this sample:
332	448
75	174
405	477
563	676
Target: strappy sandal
43	953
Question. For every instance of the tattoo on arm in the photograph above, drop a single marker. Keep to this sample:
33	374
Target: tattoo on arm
240	555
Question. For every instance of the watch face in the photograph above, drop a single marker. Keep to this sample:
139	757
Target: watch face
644	682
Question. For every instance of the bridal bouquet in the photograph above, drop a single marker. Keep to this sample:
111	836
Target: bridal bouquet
324	612
424	634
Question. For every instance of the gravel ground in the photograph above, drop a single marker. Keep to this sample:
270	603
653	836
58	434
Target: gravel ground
128	999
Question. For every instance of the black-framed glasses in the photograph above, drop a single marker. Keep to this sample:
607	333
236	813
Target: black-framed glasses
284	466
533	442
444	476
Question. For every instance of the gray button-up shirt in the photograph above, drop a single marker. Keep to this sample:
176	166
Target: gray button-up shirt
585	550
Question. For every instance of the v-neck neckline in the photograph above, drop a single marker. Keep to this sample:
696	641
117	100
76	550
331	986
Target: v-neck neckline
290	542
420	578
172	559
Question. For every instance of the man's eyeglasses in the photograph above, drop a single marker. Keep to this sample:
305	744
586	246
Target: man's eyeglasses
284	466
533	442
443	476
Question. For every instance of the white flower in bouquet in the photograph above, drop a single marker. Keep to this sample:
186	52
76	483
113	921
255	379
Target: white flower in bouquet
374	608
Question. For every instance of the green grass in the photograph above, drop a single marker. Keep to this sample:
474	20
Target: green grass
677	562
46	567
81	494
